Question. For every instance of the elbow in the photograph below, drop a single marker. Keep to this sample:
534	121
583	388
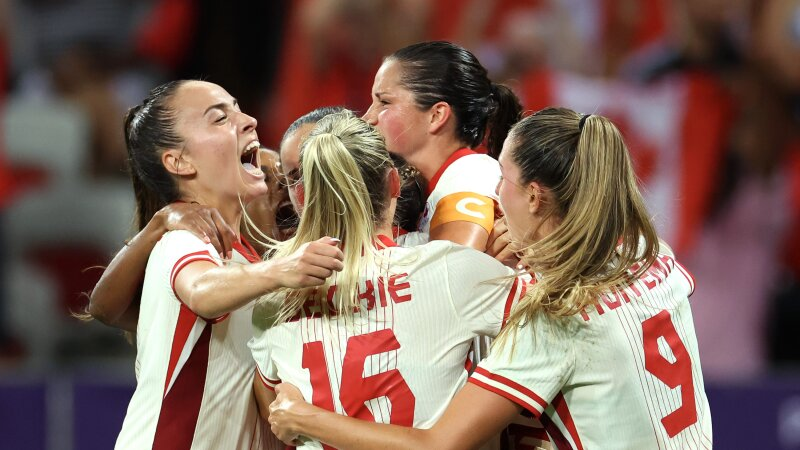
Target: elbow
199	303
97	312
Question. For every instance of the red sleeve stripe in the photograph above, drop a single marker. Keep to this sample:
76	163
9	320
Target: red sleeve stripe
268	383
519	401
510	302
505	384
560	405
185	261
688	276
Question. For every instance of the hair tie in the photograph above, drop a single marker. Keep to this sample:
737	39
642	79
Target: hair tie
582	121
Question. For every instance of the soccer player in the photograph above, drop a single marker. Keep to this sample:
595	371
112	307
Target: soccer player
434	103
601	348
188	141
386	340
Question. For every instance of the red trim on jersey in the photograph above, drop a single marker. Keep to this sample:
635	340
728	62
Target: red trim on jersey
398	231
556	436
560	404
181	406
186	321
386	241
513	385
506	395
450	160
184	261
266	380
510	302
245	249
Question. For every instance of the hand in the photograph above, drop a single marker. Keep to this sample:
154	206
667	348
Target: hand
204	222
288	404
310	265
499	244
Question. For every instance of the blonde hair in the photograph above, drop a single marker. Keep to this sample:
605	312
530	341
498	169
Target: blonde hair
604	228
344	165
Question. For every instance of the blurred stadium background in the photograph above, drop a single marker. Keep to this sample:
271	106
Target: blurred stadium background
705	91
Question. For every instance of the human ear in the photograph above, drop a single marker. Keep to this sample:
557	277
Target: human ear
535	201
439	115
176	164
394	183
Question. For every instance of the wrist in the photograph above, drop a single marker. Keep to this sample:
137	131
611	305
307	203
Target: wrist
267	274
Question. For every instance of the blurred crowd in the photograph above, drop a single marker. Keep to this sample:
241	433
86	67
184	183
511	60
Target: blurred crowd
705	92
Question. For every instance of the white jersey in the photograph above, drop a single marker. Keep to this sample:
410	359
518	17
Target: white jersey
463	189
194	376
401	357
624	374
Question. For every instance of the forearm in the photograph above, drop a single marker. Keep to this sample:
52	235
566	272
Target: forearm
221	290
118	288
347	433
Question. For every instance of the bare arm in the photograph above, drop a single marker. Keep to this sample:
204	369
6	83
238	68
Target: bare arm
263	395
462	232
114	300
472	418
211	291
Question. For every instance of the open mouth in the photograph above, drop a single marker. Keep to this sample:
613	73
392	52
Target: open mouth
286	218
250	159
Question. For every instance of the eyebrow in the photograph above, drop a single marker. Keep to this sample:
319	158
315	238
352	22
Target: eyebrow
222	106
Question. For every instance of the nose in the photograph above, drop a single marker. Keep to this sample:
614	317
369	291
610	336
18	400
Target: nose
370	117
248	123
497	188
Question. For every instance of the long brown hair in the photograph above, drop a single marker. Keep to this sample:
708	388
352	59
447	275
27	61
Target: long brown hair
604	228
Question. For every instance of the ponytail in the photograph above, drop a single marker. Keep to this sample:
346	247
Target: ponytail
344	164
149	129
604	228
507	111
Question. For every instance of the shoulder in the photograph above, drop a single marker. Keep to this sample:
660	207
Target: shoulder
471	173
181	242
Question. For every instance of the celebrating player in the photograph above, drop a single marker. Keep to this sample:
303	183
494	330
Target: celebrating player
388	341
601	348
188	141
433	103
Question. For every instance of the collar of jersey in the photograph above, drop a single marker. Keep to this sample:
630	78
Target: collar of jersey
460	153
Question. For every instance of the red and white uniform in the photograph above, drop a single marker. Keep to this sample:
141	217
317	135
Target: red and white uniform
463	189
623	374
194	376
401	357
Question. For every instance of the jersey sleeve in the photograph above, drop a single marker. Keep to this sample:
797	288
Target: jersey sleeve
482	290
531	367
260	348
184	248
467	192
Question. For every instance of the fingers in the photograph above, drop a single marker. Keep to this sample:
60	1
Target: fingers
225	234
499	239
204	222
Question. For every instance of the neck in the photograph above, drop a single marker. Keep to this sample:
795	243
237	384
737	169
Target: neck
429	159
231	211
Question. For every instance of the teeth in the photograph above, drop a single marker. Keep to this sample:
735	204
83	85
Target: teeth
252	146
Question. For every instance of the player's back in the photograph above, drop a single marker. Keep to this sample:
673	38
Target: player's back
622	374
401	357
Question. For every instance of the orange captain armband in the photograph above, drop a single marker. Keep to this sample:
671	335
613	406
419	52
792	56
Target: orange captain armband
466	206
